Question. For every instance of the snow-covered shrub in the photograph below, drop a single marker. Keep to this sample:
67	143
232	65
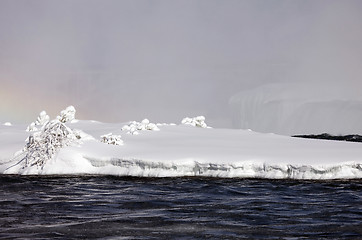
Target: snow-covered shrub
42	119
133	127
43	144
8	124
198	121
112	139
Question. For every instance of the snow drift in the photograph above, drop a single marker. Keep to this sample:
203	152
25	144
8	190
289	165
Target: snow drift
292	109
68	146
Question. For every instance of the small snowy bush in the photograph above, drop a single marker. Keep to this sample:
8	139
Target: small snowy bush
133	127
112	139
198	121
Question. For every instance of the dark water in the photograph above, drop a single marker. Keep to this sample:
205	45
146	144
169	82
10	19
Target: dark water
92	207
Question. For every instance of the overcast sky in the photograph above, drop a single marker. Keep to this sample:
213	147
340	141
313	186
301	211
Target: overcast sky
127	60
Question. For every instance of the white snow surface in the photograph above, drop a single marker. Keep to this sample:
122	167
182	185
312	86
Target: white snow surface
291	109
179	150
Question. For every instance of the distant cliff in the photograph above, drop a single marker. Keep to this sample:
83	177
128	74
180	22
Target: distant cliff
292	109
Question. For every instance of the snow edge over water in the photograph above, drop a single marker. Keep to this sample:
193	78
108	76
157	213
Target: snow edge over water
139	168
187	168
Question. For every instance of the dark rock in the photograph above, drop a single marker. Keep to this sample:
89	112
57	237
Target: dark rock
326	136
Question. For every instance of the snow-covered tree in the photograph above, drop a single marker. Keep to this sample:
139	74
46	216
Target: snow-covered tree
43	144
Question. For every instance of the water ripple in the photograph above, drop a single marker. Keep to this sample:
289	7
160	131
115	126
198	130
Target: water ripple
94	207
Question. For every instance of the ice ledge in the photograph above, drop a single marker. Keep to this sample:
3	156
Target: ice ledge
191	168
141	168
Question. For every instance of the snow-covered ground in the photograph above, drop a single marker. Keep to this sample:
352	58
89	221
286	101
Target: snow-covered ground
305	108
68	146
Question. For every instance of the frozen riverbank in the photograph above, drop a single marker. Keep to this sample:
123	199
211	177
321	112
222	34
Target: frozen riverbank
170	150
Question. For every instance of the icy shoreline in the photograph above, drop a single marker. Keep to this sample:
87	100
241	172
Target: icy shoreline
170	150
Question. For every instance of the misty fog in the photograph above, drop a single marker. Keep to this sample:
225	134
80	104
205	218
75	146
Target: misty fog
127	60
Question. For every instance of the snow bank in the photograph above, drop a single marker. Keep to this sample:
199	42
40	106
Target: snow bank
176	150
292	109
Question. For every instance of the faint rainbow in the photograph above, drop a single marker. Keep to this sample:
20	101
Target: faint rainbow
21	105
